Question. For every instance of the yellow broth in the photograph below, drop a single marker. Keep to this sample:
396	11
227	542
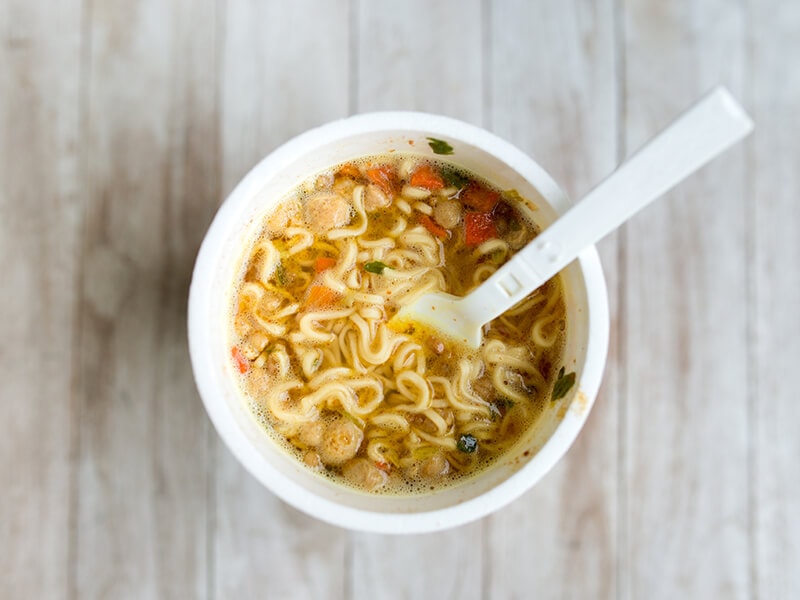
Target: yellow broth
387	409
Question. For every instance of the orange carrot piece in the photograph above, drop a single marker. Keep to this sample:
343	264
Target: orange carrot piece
432	226
349	170
426	177
241	362
320	295
384	177
323	262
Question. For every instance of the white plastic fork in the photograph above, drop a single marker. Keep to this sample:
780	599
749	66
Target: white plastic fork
705	130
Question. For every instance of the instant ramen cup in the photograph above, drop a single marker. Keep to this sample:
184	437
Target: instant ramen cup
215	279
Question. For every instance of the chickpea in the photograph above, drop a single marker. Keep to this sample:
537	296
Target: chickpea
326	210
447	213
375	198
310	434
363	473
340	442
435	466
254	344
312	460
279	219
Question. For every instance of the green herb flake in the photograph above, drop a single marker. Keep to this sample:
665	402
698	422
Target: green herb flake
563	384
454	178
439	146
280	273
376	267
467	443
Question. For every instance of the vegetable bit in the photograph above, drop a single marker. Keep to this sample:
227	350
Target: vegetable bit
385	178
563	384
432	226
280	273
478	227
320	295
467	443
349	170
479	198
242	364
454	178
323	263
376	267
440	146
426	177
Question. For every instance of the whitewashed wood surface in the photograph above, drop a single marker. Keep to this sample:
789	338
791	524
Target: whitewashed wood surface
123	125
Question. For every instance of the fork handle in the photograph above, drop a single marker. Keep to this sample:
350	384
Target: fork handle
702	132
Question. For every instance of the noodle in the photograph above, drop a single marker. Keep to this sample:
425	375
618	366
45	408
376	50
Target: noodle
384	407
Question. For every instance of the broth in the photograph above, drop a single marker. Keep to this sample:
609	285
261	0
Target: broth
391	409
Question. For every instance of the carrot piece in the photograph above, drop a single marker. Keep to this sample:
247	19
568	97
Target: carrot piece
241	362
432	226
384	177
427	177
349	170
478	227
478	198
320	295
323	262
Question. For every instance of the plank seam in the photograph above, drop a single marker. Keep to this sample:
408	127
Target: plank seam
622	562
353	48
751	373
486	58
210	433
76	400
486	112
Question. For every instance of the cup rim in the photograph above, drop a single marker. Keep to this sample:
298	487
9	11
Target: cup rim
295	494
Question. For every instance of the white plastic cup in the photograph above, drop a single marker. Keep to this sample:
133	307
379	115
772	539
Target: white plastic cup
214	280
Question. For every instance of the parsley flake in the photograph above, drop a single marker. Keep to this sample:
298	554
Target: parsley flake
439	146
376	267
454	178
563	384
467	443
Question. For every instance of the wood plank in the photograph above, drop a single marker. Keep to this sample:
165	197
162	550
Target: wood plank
152	163
775	213
553	92
285	70
686	333
431	64
418	55
40	219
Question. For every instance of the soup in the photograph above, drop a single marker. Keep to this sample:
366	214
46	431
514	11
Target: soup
372	403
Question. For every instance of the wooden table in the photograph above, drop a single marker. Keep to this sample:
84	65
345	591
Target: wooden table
123	124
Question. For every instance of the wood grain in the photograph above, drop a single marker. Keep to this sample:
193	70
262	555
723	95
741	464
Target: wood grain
41	209
417	55
124	124
775	213
686	331
285	69
430	64
152	164
563	112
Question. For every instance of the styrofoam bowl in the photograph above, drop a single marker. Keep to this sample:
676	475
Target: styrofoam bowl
214	280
